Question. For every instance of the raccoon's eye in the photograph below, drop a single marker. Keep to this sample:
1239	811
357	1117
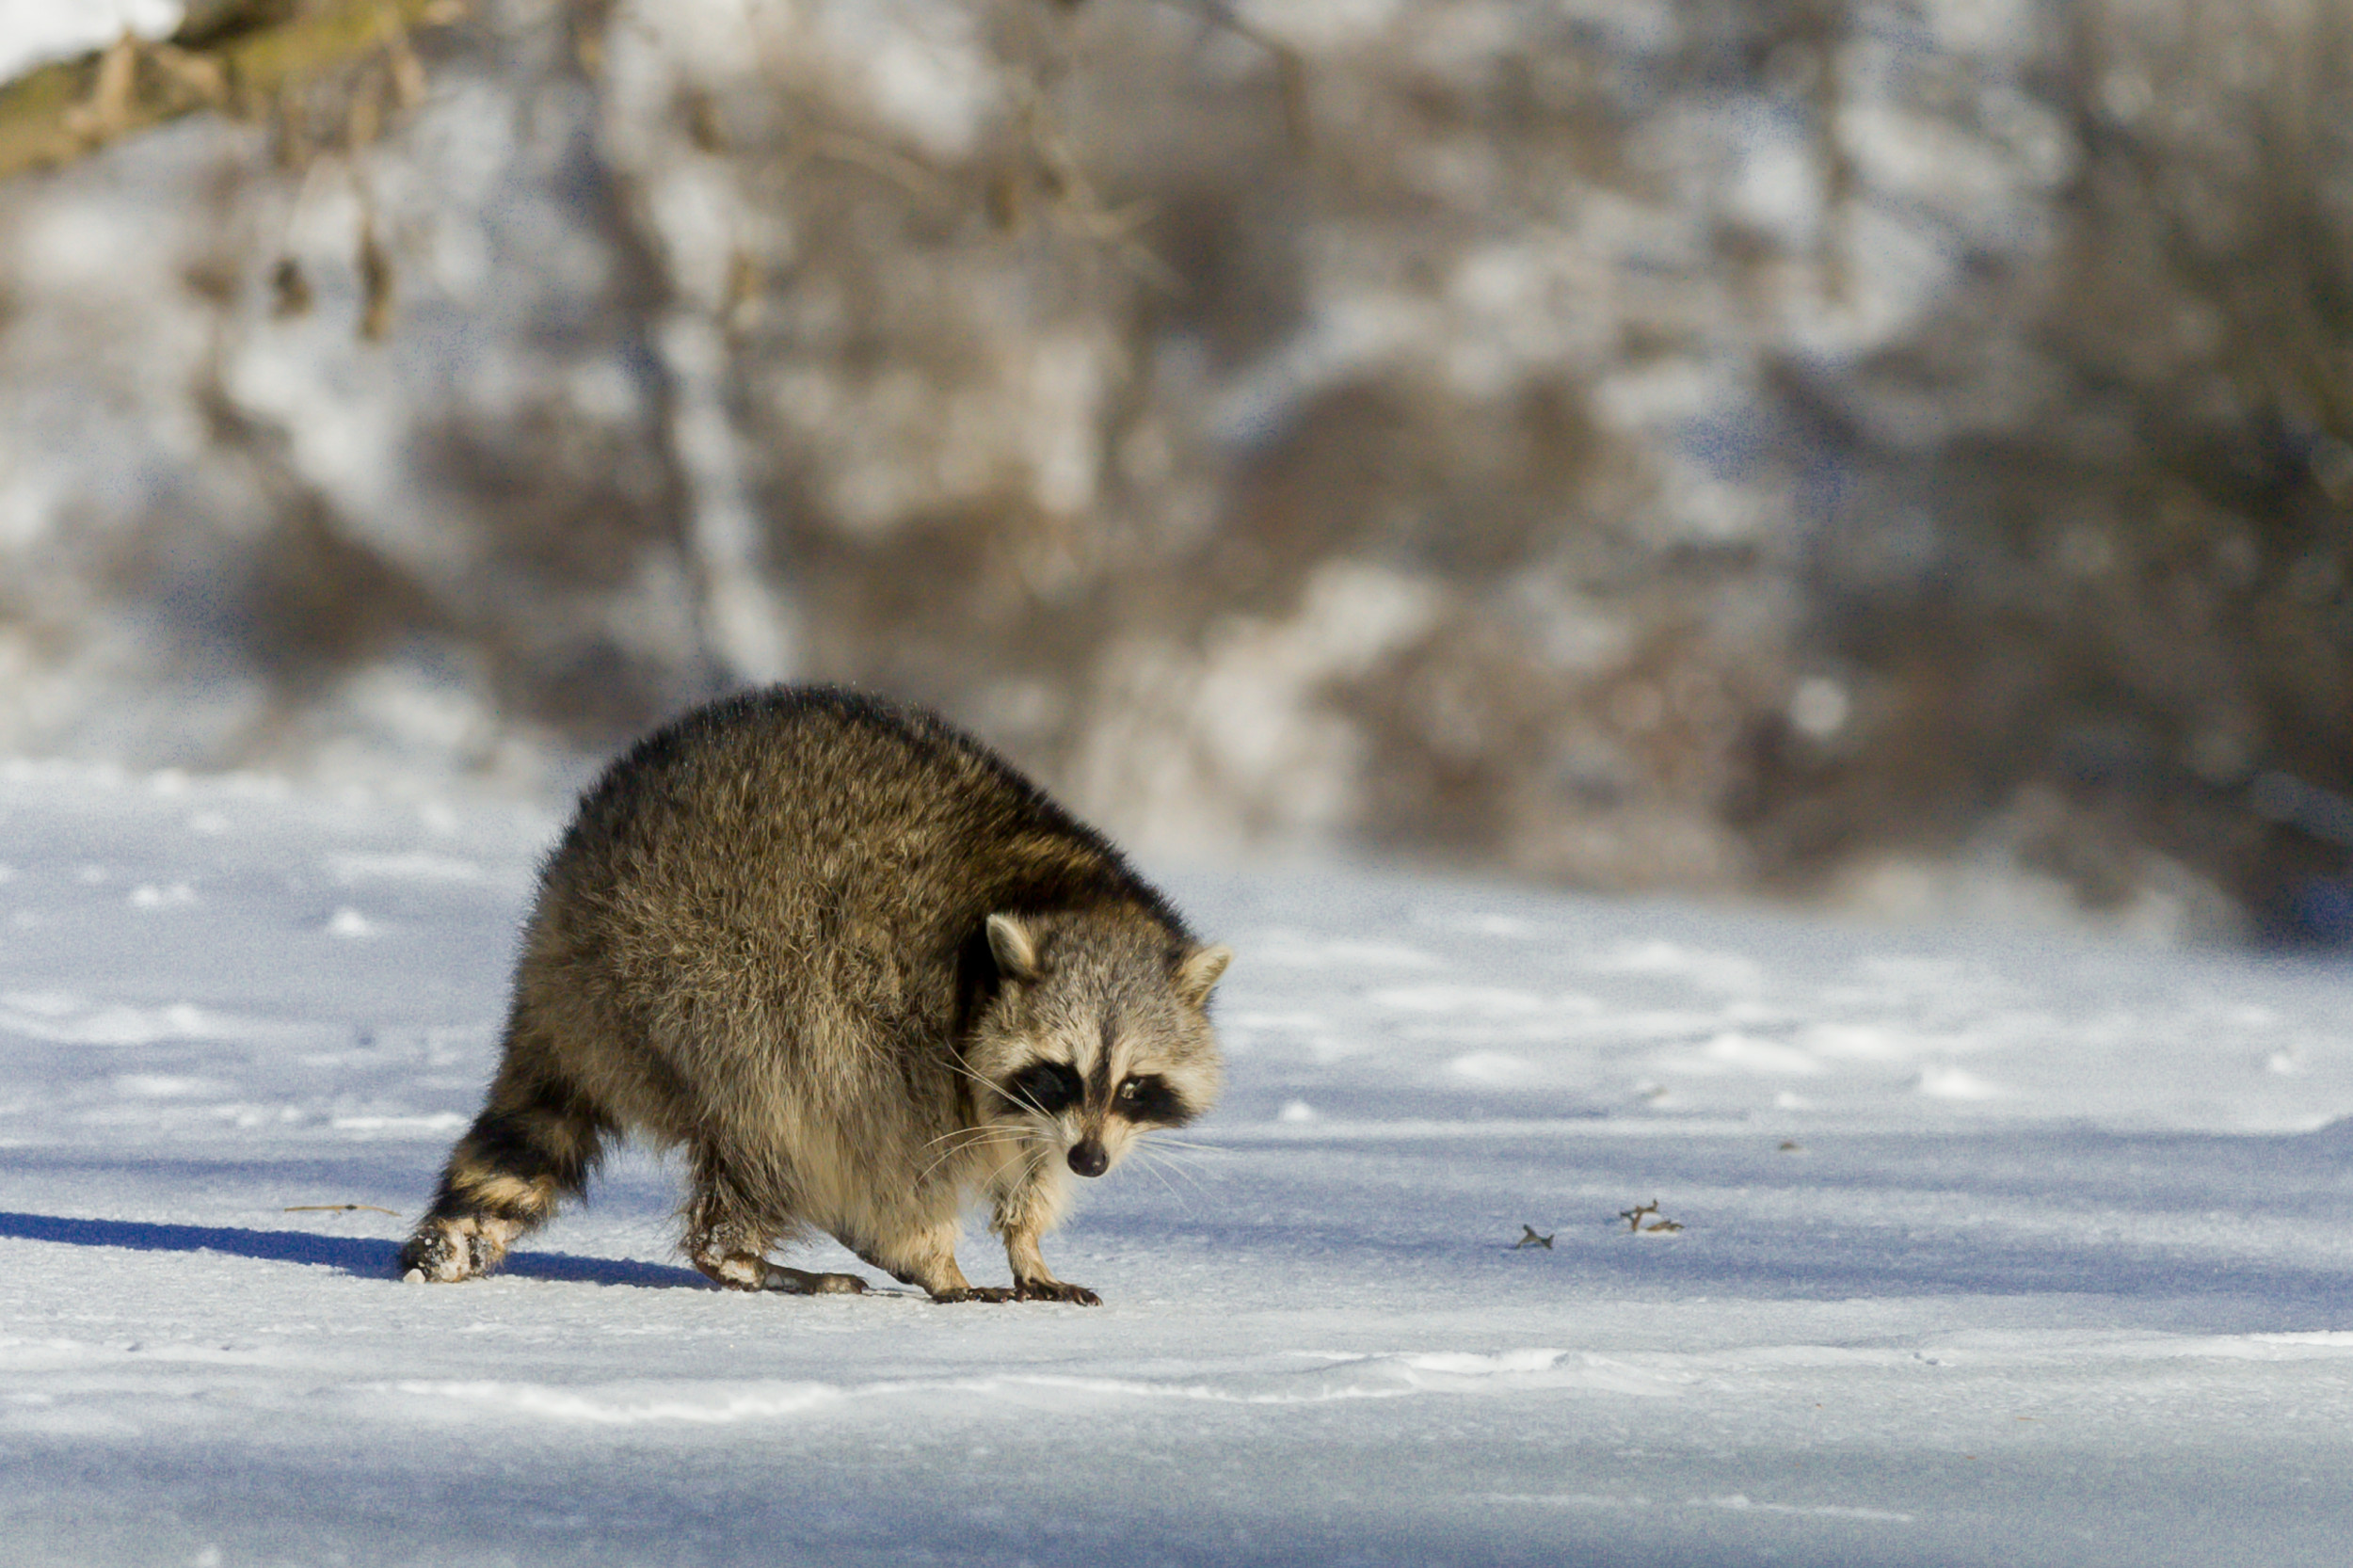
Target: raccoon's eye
1148	1097
1049	1088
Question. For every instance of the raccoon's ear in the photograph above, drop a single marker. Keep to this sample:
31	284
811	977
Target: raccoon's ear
1196	976
1014	948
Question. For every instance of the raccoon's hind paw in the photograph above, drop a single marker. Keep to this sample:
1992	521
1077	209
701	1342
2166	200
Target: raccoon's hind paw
447	1251
800	1282
743	1270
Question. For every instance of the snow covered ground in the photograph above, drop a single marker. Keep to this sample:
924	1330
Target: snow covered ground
1996	1247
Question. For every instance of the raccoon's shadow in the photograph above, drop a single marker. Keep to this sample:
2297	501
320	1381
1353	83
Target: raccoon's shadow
369	1259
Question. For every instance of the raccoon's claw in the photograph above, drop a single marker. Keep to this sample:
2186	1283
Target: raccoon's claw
1055	1290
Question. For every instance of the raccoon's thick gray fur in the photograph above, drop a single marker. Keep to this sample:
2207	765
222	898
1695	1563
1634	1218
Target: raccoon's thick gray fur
862	972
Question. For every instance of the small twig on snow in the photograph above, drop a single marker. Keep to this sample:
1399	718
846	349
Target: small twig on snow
1659	1225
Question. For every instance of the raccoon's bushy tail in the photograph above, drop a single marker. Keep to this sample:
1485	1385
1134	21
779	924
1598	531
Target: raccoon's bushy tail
535	1144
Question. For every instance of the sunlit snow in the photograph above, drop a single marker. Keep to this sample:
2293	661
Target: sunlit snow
1994	1247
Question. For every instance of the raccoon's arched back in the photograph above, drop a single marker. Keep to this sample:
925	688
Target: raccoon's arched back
899	766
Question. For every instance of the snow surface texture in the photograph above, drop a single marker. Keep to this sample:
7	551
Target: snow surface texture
1993	1250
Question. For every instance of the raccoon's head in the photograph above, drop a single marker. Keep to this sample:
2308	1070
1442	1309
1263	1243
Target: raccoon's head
1098	1031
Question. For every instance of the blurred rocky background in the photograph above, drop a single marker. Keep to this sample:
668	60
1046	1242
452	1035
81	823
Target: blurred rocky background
1897	453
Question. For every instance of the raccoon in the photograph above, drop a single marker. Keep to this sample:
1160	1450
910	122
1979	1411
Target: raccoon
862	972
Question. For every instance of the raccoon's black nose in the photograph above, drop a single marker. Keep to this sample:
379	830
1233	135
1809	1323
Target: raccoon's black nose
1088	1159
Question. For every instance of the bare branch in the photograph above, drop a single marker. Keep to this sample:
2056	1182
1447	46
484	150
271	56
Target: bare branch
233	55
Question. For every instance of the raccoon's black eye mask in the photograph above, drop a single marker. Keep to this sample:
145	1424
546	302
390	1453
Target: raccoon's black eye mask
1148	1100
1049	1088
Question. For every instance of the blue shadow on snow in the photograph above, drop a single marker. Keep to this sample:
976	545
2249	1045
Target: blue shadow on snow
369	1259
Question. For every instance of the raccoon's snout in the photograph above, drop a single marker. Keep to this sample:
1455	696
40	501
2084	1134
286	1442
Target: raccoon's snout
1088	1159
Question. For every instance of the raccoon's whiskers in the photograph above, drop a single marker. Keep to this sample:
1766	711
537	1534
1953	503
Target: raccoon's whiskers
1178	1154
1004	1091
962	1071
1162	1141
983	1129
1158	1161
966	1139
1145	1158
973	1138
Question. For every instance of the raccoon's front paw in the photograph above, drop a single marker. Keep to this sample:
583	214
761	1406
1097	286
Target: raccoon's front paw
1055	1290
974	1293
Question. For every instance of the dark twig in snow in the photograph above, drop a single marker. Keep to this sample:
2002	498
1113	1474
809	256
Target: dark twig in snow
1659	1225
